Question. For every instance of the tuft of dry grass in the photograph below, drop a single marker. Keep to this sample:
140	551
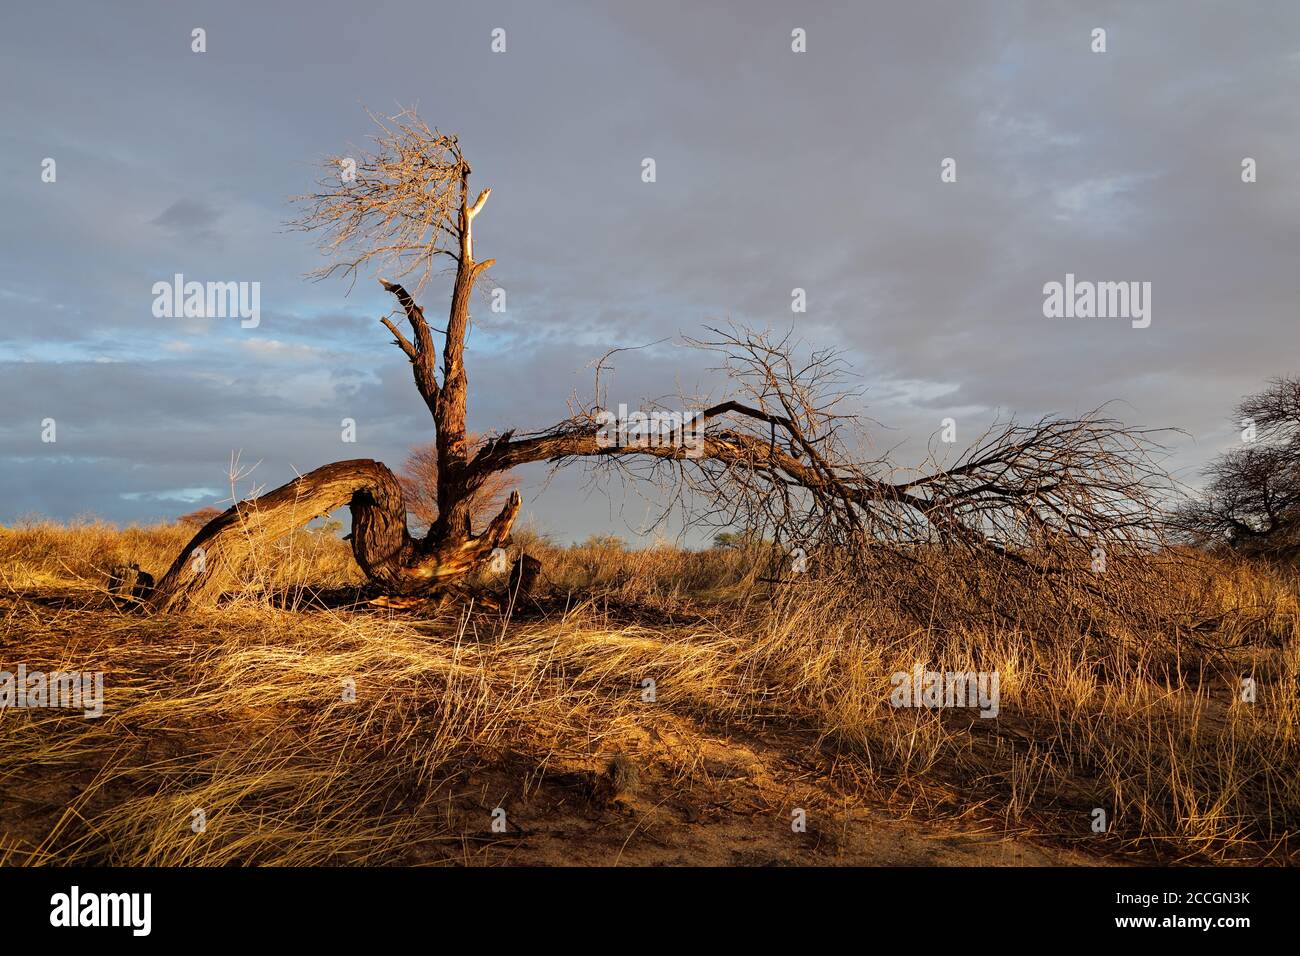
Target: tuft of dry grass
44	554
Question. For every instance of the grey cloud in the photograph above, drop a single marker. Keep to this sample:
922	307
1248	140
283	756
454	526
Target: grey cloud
775	170
187	216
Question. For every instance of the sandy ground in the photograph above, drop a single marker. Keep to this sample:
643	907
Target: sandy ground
736	807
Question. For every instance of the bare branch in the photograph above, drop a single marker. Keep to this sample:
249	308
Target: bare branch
398	206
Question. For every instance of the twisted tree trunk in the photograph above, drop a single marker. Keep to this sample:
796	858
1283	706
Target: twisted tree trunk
381	544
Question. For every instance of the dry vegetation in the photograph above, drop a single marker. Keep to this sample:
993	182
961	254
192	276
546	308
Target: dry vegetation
1119	691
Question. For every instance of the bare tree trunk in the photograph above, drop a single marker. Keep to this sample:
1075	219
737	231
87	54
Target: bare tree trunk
381	544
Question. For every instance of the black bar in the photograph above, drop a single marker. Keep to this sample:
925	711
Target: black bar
620	906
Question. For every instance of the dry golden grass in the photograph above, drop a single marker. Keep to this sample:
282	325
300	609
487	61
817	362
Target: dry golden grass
1118	691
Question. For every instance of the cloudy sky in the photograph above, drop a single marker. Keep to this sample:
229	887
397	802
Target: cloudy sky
774	170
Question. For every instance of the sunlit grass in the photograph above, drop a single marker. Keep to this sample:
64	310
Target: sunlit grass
1122	694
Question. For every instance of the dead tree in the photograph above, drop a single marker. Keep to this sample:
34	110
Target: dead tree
779	452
